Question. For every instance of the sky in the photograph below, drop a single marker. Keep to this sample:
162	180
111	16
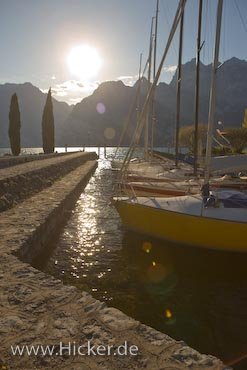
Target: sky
38	35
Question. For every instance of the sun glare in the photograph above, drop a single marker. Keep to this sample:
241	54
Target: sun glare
84	62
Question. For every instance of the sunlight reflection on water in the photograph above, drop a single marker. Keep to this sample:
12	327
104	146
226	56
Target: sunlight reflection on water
91	238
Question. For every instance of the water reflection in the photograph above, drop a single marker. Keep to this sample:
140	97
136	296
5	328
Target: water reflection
193	295
87	247
198	296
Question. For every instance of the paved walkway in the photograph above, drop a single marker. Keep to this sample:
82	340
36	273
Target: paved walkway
24	180
24	168
9	160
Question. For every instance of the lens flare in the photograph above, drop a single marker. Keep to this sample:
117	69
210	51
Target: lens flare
109	133
168	313
147	246
156	272
100	107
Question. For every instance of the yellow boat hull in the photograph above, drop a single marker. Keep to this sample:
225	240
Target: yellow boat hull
183	228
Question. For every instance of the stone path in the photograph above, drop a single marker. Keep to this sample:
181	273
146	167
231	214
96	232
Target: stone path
21	181
22	169
9	160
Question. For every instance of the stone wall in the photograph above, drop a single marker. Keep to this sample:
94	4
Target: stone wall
10	160
23	180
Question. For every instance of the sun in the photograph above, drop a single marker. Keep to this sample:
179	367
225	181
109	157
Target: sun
84	62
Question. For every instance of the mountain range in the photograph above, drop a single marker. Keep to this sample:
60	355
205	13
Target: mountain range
98	119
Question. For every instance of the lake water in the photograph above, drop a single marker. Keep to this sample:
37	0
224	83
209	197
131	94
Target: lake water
190	294
110	151
24	151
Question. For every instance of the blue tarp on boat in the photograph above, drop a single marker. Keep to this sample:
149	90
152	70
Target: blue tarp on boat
233	199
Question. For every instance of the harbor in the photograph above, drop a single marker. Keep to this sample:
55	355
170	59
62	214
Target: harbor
123	187
188	293
42	309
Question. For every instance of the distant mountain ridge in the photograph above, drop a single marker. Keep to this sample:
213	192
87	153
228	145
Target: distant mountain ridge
98	119
85	123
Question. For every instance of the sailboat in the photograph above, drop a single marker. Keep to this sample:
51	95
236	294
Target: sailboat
209	220
187	220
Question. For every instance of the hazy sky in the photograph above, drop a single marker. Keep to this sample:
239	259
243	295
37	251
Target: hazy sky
37	36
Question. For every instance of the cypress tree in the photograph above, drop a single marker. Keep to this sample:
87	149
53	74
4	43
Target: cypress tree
14	126
48	131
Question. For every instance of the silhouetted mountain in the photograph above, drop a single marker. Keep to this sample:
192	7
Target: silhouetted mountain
105	111
99	118
31	103
87	125
231	91
105	108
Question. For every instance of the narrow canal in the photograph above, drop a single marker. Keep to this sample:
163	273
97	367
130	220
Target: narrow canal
190	294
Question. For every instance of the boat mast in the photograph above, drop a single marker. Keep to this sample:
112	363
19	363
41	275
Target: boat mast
211	112
139	89
179	75
141	123
155	38
154	73
197	87
146	136
135	108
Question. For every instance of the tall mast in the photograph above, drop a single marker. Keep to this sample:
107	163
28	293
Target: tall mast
137	135
146	137
140	67
179	74
155	38
211	112
197	88
135	107
138	89
154	73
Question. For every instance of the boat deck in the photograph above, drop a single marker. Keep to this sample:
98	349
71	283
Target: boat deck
191	205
